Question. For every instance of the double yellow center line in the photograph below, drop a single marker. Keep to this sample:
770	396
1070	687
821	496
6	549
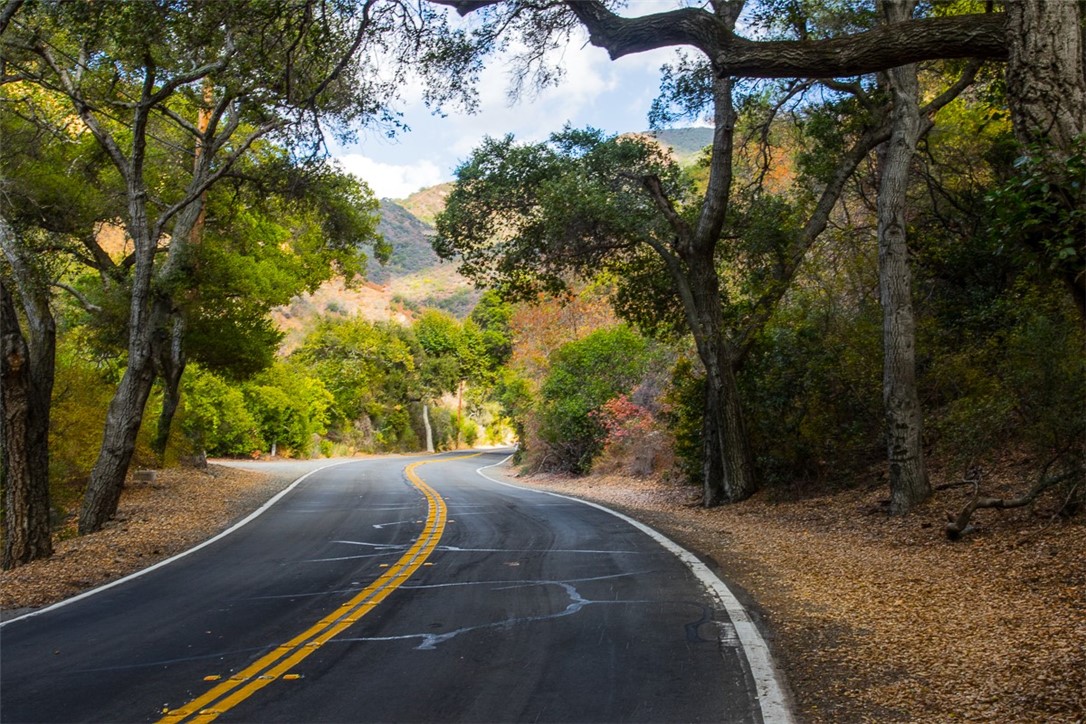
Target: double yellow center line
279	661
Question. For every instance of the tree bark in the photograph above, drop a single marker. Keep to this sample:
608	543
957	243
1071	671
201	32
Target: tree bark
1046	72
904	421
125	414
909	41
728	466
171	367
429	429
1046	92
26	382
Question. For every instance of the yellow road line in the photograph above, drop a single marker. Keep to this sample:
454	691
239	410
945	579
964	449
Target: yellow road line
280	660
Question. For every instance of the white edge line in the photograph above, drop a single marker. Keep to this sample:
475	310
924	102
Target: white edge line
247	519
771	699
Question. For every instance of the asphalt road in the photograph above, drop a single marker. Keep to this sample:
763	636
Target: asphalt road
371	593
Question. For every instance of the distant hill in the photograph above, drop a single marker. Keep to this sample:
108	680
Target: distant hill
686	144
427	203
414	277
410	240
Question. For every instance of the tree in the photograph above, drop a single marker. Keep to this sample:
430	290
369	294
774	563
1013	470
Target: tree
291	406
1041	41
277	231
901	401
522	216
217	418
53	194
132	72
368	368
1032	35
26	373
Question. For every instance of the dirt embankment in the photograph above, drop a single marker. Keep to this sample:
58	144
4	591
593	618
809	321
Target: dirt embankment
871	618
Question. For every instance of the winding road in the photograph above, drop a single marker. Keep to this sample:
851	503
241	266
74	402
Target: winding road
401	589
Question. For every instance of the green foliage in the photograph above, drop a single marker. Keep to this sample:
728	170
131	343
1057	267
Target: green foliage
1043	207
574	203
583	376
291	406
812	388
684	411
366	367
492	316
217	417
1020	375
80	399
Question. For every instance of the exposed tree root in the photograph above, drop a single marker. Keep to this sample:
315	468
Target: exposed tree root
958	525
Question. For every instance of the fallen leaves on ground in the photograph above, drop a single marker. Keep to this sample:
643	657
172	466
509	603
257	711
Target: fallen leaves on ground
875	618
871	618
155	520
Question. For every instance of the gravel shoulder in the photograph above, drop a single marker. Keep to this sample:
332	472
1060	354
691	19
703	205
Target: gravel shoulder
870	618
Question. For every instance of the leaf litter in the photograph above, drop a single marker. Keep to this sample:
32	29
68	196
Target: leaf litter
870	618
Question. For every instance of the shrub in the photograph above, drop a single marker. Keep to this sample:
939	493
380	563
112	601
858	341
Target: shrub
583	376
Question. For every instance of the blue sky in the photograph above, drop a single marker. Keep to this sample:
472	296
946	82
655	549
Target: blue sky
611	95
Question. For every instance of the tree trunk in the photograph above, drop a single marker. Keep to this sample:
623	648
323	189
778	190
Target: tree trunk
118	444
147	315
429	430
171	367
728	467
1046	91
1046	72
904	421
126	409
26	374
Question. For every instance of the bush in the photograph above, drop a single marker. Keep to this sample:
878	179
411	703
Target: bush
216	417
634	445
583	376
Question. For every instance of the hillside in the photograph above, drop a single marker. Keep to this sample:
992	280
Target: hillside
414	277
410	240
686	144
427	203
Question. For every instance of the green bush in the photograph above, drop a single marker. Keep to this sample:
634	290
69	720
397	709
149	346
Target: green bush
583	376
216	417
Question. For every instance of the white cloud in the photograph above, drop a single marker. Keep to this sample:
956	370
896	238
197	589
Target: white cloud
389	180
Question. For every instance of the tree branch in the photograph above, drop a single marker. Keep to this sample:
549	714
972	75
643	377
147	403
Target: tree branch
85	113
890	45
816	224
655	189
958	525
83	301
7	12
887	46
195	74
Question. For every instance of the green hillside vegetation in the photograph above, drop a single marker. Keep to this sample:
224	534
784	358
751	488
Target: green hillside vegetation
686	144
409	238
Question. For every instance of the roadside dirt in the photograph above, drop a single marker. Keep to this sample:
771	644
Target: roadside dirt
154	521
870	618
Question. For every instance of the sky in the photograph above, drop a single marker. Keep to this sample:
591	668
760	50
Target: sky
613	96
